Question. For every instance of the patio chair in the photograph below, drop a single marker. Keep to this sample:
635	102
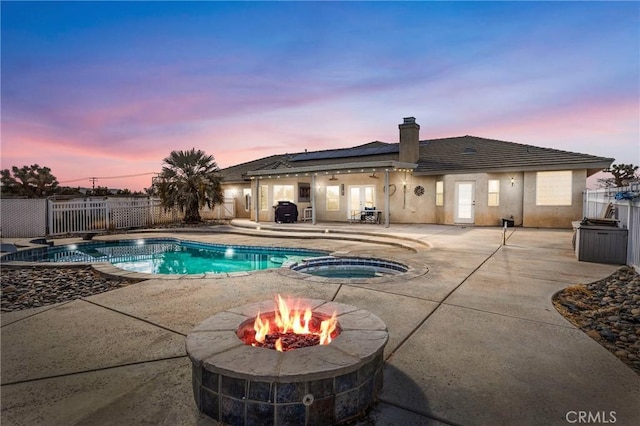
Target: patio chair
369	215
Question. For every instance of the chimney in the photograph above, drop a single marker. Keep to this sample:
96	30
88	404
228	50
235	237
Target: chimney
409	140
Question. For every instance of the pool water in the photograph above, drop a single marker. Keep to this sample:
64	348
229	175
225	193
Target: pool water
168	256
349	267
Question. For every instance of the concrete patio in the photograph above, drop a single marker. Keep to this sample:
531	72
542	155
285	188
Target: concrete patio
474	341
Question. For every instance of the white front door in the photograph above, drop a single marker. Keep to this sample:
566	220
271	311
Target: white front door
361	196
465	202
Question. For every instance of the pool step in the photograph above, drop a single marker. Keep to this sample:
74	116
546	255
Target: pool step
91	251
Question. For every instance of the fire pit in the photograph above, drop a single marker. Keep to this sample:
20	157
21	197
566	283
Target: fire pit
326	369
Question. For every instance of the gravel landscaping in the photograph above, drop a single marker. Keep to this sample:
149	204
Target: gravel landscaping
608	311
24	288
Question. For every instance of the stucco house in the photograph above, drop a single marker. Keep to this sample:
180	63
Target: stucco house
458	180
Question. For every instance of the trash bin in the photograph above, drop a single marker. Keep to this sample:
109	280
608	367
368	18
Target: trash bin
601	243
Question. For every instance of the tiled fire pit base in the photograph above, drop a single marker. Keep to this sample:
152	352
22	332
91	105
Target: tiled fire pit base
320	385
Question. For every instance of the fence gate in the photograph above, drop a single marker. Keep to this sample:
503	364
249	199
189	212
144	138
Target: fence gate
227	209
77	216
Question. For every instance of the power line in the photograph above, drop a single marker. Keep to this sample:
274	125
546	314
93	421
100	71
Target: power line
94	178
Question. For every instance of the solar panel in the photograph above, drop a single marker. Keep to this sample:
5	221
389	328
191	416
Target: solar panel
348	152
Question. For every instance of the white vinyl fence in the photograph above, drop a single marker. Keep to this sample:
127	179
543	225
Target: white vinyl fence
37	218
626	208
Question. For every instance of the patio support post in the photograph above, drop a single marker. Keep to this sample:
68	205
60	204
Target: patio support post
313	198
386	198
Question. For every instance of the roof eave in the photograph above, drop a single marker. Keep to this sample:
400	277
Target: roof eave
354	166
235	181
591	167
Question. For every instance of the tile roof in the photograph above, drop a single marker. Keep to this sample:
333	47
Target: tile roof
472	153
237	173
463	154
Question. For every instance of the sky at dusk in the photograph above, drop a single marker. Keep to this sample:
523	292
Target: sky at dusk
107	89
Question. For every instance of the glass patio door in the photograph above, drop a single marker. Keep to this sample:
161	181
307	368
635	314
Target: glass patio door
360	196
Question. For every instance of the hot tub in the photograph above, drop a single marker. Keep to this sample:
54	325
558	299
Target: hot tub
349	267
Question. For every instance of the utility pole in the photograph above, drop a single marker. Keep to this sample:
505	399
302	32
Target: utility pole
93	183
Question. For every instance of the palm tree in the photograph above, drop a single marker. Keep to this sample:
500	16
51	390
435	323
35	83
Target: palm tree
189	180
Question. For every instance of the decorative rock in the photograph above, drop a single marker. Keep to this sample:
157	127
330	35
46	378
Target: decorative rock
34	287
621	354
608	335
608	311
593	334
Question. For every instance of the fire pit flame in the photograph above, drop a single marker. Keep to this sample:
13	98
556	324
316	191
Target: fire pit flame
292	328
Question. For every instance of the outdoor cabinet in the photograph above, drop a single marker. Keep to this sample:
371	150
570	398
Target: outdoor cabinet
601	244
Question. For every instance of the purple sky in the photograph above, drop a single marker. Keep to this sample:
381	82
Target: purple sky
110	89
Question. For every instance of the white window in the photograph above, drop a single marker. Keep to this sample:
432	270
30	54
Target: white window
264	197
494	192
333	198
439	193
283	193
553	188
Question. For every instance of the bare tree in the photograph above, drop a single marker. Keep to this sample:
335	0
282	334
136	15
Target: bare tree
622	174
31	181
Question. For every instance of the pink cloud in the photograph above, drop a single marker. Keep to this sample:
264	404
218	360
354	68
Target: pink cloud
605	129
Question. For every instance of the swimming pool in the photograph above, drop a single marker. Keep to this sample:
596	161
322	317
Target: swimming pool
169	256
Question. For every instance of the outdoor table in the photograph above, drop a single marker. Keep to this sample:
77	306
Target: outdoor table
366	216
